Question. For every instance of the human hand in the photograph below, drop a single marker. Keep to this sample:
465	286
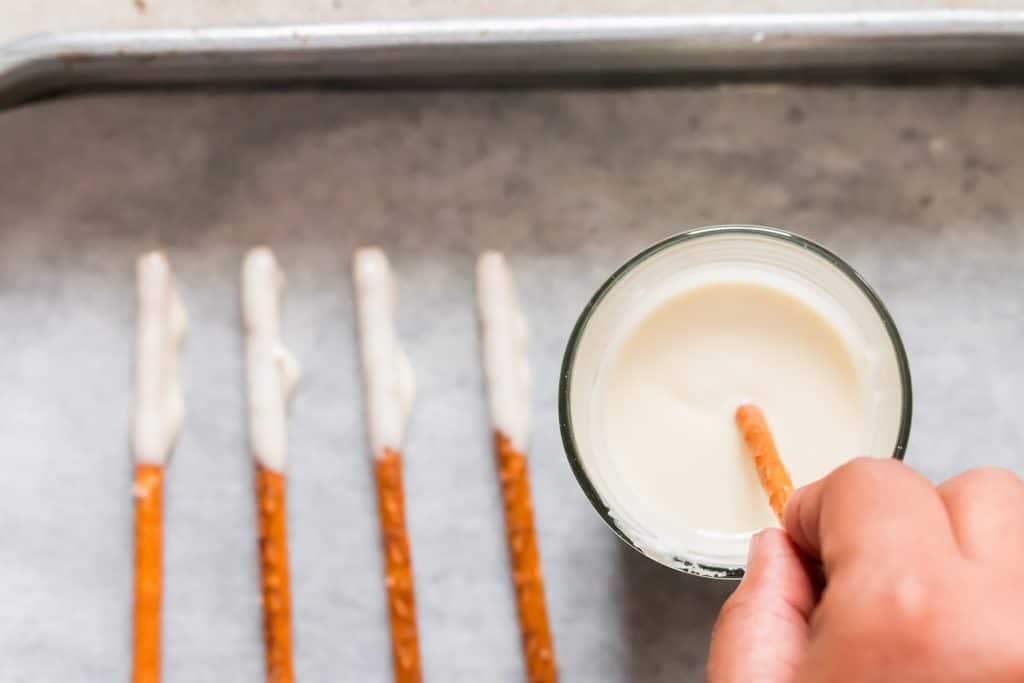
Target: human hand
921	583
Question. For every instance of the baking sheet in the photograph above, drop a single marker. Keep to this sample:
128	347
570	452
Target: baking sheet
76	15
919	188
494	51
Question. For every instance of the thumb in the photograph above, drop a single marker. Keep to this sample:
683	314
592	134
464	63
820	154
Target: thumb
761	633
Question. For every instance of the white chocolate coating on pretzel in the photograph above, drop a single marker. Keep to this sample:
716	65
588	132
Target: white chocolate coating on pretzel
387	374
506	369
159	405
271	372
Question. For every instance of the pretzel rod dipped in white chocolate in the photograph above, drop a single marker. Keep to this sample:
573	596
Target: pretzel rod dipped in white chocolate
390	387
271	374
157	415
503	330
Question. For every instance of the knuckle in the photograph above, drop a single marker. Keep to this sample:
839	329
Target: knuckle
909	606
987	479
862	469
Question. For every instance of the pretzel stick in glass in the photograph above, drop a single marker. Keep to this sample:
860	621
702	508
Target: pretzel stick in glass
770	469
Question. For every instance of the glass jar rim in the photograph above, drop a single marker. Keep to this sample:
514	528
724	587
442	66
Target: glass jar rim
569	358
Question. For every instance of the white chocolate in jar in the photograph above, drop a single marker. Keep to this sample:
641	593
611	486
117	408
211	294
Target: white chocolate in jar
669	394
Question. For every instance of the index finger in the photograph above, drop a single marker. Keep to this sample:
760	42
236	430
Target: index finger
868	507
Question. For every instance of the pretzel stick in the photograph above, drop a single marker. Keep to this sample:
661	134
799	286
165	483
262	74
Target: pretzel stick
389	390
525	557
504	340
273	531
271	375
158	412
770	469
148	581
398	568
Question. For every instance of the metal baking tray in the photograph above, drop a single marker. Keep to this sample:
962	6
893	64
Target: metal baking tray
493	51
916	185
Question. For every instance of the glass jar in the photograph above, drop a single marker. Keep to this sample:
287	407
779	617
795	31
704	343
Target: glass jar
735	253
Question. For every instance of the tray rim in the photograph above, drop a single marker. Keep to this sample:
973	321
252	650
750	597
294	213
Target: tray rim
496	50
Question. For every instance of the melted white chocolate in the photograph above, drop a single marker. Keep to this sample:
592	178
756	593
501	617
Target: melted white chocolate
387	373
503	330
159	407
670	391
271	371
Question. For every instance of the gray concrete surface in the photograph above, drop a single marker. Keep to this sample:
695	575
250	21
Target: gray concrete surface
919	188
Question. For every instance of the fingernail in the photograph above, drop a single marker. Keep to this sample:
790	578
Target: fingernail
754	550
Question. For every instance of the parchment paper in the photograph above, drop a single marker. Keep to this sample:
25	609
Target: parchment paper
921	189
